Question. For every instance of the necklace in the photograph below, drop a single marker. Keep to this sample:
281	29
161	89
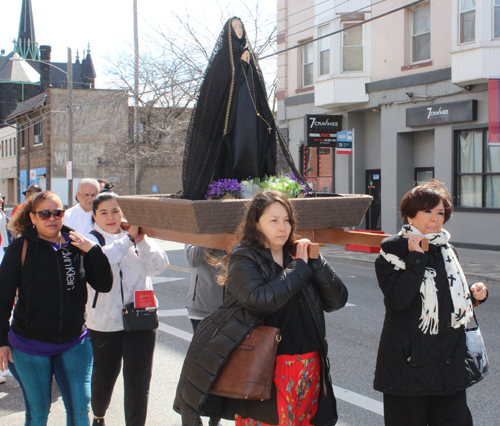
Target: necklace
253	99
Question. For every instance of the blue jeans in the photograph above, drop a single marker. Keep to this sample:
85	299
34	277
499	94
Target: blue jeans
72	370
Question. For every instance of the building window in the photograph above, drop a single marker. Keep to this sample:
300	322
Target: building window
38	133
324	50
307	65
10	147
496	14
467	20
22	137
478	170
15	146
423	175
352	47
2	149
421	35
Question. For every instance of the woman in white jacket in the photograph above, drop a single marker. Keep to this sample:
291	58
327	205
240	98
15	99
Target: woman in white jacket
134	257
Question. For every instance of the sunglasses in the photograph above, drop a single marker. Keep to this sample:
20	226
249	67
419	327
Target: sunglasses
45	214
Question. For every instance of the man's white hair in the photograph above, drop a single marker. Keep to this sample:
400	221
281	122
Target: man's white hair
85	181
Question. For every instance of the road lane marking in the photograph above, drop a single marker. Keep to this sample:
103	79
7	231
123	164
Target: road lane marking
176	332
173	313
159	280
354	398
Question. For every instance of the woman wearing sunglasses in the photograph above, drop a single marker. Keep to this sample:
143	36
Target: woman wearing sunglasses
48	267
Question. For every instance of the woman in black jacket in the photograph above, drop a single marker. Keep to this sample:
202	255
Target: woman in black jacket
421	363
264	281
47	269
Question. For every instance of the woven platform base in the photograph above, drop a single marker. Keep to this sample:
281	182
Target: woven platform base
218	217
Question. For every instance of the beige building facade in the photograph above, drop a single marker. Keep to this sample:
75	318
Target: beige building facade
412	84
8	164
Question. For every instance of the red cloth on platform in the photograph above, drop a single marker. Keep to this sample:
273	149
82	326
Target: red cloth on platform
297	380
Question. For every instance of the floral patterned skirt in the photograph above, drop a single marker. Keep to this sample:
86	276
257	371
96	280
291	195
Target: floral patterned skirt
297	380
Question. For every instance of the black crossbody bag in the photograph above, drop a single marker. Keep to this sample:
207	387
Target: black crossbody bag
134	319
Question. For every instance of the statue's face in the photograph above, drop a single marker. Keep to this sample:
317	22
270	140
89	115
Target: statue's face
237	27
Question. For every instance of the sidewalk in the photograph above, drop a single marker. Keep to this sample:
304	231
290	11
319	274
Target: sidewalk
478	265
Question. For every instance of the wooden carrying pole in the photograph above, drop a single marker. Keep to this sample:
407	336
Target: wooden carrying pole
335	236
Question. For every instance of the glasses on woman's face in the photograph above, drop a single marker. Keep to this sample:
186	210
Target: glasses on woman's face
45	214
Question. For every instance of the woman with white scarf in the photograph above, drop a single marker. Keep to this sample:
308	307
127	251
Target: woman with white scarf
422	354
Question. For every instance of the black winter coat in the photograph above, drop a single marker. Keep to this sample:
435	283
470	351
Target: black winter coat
409	362
52	288
257	287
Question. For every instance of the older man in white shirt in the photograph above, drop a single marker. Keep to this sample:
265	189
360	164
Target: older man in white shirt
79	217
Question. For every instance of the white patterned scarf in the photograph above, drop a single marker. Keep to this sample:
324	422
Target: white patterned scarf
459	290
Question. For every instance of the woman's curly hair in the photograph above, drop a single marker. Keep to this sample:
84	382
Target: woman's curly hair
22	220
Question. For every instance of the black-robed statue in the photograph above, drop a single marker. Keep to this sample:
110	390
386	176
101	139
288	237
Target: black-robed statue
232	133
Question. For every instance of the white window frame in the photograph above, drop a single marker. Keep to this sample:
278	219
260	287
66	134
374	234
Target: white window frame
460	12
344	23
308	46
495	7
326	43
419	35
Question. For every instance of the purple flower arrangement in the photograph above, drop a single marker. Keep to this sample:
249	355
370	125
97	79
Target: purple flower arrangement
305	190
219	188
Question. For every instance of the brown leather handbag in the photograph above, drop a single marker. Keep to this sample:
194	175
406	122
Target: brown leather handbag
249	371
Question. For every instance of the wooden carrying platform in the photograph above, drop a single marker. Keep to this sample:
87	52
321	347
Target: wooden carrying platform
213	223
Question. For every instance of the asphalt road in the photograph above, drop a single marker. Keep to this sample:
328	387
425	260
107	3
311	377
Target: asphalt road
353	334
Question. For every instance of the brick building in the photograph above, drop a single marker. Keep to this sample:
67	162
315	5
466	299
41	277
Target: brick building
100	120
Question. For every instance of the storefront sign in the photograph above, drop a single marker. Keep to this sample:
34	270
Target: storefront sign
321	130
450	112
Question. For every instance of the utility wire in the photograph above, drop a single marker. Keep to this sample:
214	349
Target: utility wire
334	19
303	10
343	29
320	13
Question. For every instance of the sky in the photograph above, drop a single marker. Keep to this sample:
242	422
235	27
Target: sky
108	24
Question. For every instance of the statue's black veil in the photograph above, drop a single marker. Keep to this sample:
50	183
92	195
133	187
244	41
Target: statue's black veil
213	117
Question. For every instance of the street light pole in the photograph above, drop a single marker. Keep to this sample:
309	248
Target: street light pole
70	128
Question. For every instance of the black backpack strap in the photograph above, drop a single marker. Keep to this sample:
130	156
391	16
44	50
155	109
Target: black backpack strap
100	239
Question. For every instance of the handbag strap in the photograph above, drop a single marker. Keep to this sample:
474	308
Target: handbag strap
102	242
121	285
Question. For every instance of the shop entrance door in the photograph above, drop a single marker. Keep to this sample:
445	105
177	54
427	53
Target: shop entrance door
374	188
317	165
